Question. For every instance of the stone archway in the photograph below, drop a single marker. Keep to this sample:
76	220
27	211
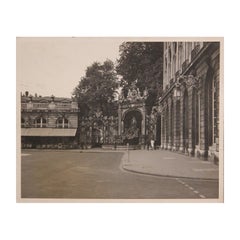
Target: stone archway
132	127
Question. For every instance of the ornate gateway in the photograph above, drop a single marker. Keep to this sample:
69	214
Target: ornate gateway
132	125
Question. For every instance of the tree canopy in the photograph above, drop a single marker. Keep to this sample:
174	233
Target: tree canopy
142	61
96	89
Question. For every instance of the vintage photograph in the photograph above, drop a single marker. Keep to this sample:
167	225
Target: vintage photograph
119	119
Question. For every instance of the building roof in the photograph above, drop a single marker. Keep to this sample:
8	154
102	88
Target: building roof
45	99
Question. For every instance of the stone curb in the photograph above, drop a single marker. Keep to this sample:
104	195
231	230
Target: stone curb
164	175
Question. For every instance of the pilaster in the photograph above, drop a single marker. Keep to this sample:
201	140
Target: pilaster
181	148
203	120
175	116
170	127
190	120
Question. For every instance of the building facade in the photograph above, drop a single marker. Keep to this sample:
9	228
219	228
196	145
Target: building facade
185	120
189	106
48	122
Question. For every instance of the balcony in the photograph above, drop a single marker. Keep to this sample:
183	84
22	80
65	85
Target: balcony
23	105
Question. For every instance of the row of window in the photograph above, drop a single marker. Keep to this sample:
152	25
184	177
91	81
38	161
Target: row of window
42	123
177	54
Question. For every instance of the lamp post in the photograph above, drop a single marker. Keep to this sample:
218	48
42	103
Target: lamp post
78	115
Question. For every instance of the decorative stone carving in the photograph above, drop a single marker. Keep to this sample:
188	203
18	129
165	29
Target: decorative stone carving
190	81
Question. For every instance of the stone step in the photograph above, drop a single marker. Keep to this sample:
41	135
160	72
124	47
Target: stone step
121	147
130	147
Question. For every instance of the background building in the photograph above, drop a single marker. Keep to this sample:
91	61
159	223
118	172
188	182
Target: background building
190	101
186	118
48	122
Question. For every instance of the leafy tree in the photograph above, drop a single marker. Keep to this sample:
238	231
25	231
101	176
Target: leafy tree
96	89
142	61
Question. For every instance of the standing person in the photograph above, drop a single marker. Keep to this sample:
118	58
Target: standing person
152	143
148	143
151	140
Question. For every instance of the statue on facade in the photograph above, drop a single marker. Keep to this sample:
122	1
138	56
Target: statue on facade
131	134
133	123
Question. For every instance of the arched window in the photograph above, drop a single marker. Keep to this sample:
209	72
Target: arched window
40	122
22	122
44	122
62	122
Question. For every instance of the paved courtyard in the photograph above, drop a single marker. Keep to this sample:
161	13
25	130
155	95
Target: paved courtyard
100	175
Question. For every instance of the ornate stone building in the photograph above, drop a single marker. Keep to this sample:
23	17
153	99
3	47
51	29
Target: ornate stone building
132	117
130	126
189	105
48	122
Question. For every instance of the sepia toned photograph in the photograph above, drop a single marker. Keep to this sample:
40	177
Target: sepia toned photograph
119	119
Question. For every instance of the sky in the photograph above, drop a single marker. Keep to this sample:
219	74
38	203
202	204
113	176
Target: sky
54	66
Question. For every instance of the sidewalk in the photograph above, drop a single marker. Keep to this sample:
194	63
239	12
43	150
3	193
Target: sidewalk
166	163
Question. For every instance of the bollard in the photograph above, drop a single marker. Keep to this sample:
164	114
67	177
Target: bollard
128	151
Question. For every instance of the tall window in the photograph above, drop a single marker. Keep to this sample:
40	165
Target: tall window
180	55
185	119
22	122
40	122
62	123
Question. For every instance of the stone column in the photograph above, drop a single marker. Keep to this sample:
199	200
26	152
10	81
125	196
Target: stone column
190	120
197	146
165	127
181	149
203	124
170	129
174	144
162	129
